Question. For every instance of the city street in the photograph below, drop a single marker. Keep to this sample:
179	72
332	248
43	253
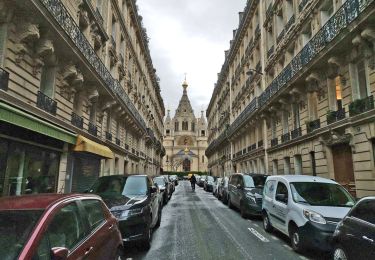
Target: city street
199	226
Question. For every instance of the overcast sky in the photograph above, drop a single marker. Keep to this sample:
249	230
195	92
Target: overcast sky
189	36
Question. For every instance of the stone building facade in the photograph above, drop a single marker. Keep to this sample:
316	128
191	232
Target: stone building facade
295	94
185	138
79	96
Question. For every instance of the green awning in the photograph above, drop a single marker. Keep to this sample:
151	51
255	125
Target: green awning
17	117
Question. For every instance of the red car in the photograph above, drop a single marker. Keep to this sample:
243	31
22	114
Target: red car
58	226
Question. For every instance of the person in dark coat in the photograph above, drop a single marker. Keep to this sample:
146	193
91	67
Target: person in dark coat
193	181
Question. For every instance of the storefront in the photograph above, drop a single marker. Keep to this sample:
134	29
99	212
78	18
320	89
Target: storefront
30	152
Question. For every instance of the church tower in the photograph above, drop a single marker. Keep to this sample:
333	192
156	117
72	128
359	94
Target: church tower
185	138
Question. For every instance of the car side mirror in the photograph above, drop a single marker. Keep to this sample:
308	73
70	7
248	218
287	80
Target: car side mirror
59	253
282	198
153	189
239	186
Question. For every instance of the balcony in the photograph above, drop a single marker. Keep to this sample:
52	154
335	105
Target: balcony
251	107
302	5
99	16
334	116
253	146
133	151
260	143
126	147
4	79
77	120
313	125
274	142
296	133
93	129
289	24
360	106
244	151
108	136
270	51
280	36
118	141
63	18
285	138
46	103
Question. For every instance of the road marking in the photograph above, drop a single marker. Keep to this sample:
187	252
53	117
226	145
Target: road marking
255	224
258	235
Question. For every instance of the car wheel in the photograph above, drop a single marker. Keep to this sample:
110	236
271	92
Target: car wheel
159	218
295	238
146	243
339	253
266	223
242	211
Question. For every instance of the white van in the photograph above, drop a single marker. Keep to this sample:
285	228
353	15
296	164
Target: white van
306	208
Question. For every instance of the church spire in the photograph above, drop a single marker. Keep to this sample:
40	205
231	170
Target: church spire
185	85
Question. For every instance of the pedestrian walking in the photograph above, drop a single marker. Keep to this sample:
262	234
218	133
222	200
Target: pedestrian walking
193	180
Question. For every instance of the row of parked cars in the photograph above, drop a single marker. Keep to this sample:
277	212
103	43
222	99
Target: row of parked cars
95	225
314	212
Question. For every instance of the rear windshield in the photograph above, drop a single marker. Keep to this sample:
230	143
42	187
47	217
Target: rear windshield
15	229
119	185
160	181
254	181
321	194
210	178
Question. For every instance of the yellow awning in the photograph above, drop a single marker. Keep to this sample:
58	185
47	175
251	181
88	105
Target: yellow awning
86	145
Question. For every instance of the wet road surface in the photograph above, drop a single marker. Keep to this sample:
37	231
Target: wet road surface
196	225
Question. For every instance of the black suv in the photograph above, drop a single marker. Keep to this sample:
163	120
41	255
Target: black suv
245	193
134	201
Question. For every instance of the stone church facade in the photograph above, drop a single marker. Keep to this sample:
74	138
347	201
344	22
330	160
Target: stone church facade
185	138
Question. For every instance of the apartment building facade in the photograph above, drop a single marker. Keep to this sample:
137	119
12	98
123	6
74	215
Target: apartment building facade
79	96
295	94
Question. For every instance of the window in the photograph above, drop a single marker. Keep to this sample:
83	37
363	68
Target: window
93	113
306	34
361	79
273	127
43	251
365	211
203	133
176	126
192	126
99	5
326	11
185	126
168	132
283	191
287	165
296	117
285	122
47	81
269	188
94	212
298	164
66	228
274	167
114	28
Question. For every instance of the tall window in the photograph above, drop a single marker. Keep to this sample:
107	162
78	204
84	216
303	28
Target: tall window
273	127
313	105
185	126
176	126
192	126
285	122
287	165
93	113
298	164
47	81
338	92
108	122
326	11
99	5
361	79
296	117
275	167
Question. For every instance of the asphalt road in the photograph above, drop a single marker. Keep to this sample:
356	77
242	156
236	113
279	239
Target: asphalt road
196	225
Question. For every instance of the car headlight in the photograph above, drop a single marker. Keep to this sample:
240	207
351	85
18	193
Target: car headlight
251	197
314	217
131	212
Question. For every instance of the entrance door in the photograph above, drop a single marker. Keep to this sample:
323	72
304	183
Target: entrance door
186	165
343	166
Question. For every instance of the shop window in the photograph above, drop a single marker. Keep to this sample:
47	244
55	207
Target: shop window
47	81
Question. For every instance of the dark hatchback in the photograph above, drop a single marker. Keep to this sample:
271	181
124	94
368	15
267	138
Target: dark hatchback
134	201
357	232
245	193
164	187
208	183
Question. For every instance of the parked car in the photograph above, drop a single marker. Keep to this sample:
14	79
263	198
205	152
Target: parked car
57	226
356	232
223	190
245	193
171	183
164	188
208	183
306	208
200	180
134	201
174	179
216	187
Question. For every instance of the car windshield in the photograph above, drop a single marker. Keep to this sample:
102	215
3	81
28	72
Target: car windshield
321	194
119	185
210	178
15	229
159	181
254	181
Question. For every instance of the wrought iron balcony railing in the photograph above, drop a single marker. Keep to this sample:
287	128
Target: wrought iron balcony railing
289	24
126	147
118	141
260	143
67	23
113	42
253	146
257	31
99	17
296	133
77	120
334	116
108	136
270	51
285	137
360	106
258	67
312	125
133	151
251	107
46	103
93	129
302	5
280	36
4	79
274	142
269	10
